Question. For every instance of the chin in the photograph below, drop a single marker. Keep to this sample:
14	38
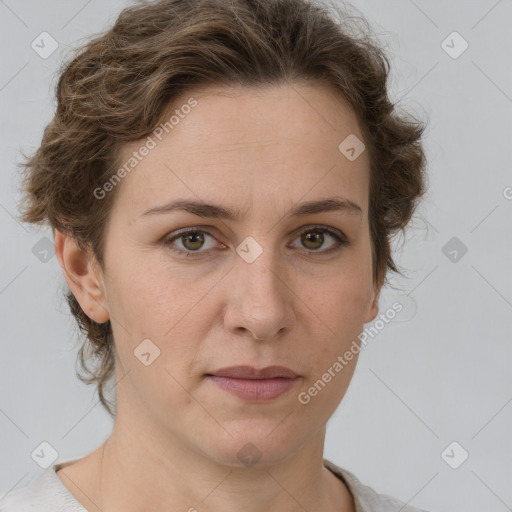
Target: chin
254	446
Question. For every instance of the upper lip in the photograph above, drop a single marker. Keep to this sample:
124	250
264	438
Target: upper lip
248	372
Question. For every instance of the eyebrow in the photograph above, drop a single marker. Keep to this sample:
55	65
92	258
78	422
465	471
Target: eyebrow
202	209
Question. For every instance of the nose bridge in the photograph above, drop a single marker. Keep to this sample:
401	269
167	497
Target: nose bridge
257	269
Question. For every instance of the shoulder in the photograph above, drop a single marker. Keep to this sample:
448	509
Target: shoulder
45	493
365	498
23	500
20	500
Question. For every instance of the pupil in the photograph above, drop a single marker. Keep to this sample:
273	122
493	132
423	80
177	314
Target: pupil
309	237
199	240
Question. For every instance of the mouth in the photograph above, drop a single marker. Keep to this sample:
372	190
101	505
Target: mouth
253	385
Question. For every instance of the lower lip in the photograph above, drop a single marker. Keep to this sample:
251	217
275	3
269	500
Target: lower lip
255	390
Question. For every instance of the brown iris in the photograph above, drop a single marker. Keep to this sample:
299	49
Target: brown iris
312	237
196	239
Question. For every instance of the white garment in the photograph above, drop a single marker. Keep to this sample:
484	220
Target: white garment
47	493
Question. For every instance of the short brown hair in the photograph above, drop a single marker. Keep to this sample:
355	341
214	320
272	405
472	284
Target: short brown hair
117	86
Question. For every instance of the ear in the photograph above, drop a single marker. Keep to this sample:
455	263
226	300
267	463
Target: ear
83	275
373	304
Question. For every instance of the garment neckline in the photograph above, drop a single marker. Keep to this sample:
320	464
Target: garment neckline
351	482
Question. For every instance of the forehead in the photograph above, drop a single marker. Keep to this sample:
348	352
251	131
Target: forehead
269	142
270	113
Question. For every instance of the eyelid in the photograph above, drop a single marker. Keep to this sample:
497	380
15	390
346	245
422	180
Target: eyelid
321	227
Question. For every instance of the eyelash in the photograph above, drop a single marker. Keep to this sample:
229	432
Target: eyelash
340	241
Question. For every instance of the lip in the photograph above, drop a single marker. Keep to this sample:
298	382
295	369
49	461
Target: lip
248	372
253	385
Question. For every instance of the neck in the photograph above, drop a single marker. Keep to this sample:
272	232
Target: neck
161	473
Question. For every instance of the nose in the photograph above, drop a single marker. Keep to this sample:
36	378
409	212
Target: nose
260	300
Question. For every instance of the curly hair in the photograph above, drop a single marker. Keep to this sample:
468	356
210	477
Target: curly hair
117	86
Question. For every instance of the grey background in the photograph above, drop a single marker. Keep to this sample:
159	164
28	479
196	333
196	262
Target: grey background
439	373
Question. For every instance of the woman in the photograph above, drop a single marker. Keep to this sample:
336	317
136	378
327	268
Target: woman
222	180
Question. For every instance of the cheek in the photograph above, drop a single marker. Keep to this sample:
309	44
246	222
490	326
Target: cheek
342	300
150	298
158	305
338	310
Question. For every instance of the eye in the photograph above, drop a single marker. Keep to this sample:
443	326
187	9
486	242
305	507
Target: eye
313	239
192	240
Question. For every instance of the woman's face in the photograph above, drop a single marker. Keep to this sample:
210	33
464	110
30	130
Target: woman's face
262	287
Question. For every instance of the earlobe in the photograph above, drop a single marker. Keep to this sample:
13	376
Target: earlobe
83	276
374	306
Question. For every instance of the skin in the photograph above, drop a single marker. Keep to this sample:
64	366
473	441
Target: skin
176	436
